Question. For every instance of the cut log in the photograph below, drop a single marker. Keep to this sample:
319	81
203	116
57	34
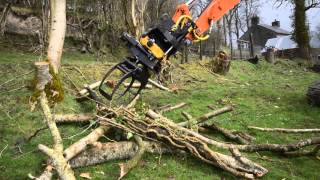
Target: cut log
103	152
282	130
181	138
208	116
69	118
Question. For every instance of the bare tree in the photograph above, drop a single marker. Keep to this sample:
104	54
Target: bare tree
57	33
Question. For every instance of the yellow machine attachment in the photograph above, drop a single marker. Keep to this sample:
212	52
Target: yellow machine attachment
152	47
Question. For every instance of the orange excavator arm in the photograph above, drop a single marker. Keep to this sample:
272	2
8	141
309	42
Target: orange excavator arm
212	13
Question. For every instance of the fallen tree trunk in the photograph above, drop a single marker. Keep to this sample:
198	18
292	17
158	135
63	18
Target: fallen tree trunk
103	152
282	130
180	138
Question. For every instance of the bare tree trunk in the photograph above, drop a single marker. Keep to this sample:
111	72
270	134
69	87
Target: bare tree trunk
57	33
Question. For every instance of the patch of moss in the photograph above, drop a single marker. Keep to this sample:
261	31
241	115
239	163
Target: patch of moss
54	89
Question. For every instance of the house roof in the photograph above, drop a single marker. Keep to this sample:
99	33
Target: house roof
285	42
275	29
280	43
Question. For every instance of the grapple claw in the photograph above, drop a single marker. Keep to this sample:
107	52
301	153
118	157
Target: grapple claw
129	70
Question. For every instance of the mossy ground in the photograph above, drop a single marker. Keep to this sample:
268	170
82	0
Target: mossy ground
265	95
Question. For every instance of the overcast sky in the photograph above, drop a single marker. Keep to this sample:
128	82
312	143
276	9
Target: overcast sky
269	12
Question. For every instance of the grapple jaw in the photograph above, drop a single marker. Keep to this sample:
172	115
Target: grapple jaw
128	72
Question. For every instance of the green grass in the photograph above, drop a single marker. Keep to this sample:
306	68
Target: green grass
264	95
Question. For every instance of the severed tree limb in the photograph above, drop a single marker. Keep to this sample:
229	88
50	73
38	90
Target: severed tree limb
84	92
103	152
125	168
228	134
313	152
133	102
79	146
76	148
282	130
208	116
201	120
56	154
68	118
171	108
158	85
192	123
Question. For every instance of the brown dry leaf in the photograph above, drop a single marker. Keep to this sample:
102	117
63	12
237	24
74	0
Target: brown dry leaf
86	175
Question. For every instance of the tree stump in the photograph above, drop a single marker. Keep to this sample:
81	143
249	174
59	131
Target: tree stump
313	94
270	55
221	64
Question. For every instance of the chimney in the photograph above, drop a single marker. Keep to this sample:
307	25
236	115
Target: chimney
255	20
276	23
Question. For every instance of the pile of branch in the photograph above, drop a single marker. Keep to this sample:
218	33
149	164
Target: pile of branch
154	133
157	134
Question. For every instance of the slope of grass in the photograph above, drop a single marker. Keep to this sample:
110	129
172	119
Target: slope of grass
264	95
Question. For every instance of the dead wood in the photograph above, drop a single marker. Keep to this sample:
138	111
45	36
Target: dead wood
56	153
69	118
228	134
137	85
178	137
313	152
158	85
279	148
208	116
282	130
192	123
77	148
84	92
133	102
103	152
125	168
171	108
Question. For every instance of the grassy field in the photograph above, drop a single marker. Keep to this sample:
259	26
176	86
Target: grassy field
265	95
